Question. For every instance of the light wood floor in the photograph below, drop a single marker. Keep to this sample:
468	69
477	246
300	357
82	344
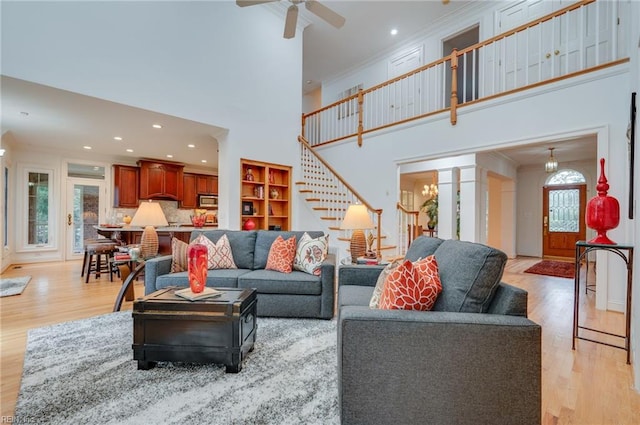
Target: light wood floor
591	385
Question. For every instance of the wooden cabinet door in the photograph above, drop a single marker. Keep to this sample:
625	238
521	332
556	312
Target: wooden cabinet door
161	180
207	184
125	186
189	191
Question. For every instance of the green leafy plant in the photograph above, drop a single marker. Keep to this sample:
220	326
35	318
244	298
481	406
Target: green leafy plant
430	207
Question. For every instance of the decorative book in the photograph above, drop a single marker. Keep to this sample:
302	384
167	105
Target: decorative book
207	292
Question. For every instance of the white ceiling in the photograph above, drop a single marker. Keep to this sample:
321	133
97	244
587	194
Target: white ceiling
69	121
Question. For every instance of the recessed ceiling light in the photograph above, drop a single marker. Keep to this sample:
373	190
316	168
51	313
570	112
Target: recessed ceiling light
394	31
169	156
87	147
118	138
203	160
156	126
129	150
191	145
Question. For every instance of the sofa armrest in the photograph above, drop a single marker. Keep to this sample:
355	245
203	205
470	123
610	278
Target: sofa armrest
153	268
509	300
405	367
328	277
360	275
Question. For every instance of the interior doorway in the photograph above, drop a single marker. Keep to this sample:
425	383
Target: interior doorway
468	68
563	222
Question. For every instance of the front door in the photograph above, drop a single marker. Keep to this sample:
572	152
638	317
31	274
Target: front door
563	222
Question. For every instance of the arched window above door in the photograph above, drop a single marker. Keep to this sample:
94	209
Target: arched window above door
565	177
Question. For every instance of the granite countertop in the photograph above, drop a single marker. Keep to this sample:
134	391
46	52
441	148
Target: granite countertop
178	228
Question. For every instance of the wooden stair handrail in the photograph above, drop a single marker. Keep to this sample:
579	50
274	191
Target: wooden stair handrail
377	211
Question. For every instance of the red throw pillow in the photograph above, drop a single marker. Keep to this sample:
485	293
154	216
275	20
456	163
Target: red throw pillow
281	255
412	286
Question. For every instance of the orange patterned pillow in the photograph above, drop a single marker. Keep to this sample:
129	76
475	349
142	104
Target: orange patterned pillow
281	255
412	286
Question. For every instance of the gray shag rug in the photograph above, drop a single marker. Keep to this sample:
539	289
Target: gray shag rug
83	372
13	285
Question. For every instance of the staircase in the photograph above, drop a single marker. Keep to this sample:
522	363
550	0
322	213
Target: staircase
330	196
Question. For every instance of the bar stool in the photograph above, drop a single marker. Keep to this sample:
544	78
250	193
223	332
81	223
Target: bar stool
88	242
98	255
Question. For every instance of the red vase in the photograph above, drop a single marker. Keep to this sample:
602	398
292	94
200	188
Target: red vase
249	224
197	255
603	211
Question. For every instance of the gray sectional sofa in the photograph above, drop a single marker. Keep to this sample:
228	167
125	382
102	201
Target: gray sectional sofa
295	294
474	359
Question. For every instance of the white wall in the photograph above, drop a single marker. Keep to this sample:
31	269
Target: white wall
589	104
173	58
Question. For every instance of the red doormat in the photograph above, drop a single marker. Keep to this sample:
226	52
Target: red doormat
553	268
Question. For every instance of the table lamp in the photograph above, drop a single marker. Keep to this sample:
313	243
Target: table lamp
149	215
357	219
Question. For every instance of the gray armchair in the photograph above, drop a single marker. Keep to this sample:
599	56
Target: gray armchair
477	364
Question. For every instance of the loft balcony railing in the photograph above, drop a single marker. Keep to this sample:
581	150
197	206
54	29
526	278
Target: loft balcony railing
577	39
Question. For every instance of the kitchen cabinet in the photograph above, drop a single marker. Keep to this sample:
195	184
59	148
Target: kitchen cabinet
194	184
161	180
125	186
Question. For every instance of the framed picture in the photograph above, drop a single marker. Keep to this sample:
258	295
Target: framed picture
247	208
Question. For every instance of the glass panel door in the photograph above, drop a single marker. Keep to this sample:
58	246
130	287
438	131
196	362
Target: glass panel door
84	207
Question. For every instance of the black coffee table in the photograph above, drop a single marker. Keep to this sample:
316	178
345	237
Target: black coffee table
218	330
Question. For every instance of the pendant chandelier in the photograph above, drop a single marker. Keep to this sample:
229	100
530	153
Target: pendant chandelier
430	190
551	165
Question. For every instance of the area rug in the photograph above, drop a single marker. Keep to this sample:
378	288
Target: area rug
13	285
553	268
83	372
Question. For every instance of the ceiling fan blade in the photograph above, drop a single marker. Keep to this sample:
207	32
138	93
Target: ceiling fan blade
291	21
244	3
325	13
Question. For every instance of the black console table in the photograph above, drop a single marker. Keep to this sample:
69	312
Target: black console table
626	253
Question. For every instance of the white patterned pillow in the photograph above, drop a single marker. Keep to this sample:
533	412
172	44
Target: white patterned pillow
310	253
382	277
219	254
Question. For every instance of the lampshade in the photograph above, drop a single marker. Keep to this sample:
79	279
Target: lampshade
148	215
357	219
552	164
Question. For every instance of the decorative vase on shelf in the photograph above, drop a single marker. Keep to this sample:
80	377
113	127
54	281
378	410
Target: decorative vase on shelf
274	193
197	267
249	224
603	211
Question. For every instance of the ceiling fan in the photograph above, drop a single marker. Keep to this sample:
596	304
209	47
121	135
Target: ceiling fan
291	20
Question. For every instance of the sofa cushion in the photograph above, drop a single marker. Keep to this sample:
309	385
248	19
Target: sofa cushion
273	282
310	253
382	277
412	286
220	278
281	255
242	244
179	261
470	273
354	295
422	247
219	254
264	240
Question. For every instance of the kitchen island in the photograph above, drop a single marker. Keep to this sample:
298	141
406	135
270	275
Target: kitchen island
129	235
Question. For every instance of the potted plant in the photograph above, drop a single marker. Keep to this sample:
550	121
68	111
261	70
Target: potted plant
430	207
